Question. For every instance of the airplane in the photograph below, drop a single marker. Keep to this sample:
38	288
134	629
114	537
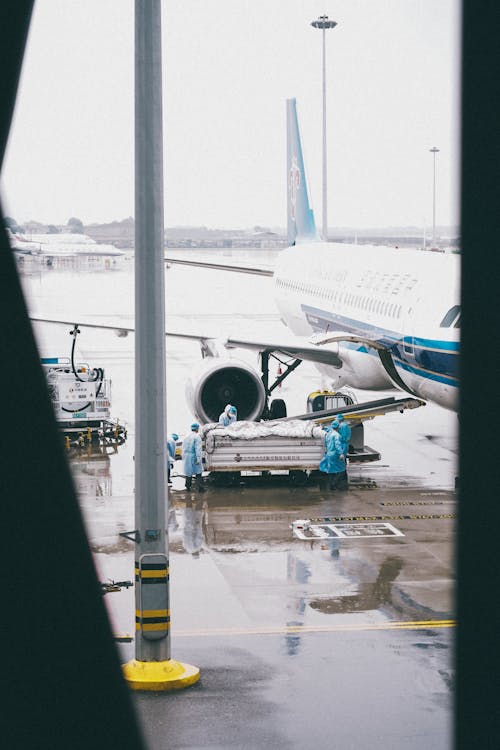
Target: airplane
60	245
368	316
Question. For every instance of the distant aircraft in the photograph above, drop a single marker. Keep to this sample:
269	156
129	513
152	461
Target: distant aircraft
368	316
55	245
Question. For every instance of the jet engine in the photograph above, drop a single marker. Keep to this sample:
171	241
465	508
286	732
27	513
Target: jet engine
218	383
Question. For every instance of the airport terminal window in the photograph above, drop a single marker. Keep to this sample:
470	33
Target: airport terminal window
451	317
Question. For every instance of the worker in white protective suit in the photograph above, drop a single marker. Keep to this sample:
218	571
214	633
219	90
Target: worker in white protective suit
228	416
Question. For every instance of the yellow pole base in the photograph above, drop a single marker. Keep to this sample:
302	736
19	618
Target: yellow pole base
159	675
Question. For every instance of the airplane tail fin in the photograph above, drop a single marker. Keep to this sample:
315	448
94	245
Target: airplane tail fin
300	223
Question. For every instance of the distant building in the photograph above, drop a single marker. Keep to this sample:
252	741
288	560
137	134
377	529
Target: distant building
118	233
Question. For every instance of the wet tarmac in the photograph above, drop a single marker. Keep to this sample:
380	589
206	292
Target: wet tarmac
344	641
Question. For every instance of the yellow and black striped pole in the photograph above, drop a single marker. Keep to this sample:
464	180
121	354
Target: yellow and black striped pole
153	668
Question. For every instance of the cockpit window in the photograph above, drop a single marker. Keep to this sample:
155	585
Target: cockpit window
451	317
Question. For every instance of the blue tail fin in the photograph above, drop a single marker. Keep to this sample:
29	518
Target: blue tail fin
300	224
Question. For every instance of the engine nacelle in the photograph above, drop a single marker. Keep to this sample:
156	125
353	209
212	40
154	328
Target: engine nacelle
217	383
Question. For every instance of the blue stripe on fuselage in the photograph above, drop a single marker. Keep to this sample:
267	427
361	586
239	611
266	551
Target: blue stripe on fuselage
428	358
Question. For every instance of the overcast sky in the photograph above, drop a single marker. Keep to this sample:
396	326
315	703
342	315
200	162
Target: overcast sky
229	65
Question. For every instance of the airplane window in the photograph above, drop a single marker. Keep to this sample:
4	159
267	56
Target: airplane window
450	317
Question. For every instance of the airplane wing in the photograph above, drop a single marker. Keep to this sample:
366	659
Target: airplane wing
262	270
320	348
296	347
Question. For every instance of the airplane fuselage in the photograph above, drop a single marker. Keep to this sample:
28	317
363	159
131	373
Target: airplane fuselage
406	300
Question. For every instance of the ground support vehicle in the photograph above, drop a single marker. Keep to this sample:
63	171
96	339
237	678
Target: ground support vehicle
294	445
81	397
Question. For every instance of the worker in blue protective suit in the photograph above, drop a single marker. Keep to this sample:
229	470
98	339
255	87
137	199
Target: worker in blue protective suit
193	527
191	454
345	436
228	416
333	462
171	442
344	431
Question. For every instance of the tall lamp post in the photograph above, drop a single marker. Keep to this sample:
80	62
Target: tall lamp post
434	151
324	23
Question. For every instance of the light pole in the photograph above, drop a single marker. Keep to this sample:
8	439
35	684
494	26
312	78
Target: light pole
324	23
434	151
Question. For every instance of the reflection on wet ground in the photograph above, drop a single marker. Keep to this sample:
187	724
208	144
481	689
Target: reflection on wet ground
370	595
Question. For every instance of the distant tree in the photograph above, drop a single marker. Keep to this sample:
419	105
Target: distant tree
52	229
11	224
75	225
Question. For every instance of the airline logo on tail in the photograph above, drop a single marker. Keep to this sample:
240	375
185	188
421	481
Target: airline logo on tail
300	223
293	186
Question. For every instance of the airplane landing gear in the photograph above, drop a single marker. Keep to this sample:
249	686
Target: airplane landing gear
277	408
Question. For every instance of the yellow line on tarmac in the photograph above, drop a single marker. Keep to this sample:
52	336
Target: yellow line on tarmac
285	630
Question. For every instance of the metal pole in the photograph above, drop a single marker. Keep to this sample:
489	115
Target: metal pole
153	668
325	211
150	371
324	23
434	151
